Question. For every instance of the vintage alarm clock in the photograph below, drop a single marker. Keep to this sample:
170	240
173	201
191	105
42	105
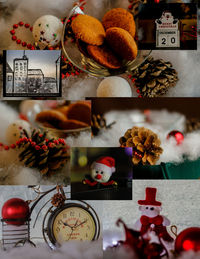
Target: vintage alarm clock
74	220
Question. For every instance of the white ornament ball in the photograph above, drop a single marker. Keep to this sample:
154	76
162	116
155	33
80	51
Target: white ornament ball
47	31
114	86
30	105
15	131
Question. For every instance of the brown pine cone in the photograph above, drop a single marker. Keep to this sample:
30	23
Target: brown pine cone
58	200
154	77
192	124
145	144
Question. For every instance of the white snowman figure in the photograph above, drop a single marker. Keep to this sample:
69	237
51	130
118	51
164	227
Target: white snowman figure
101	172
47	31
151	223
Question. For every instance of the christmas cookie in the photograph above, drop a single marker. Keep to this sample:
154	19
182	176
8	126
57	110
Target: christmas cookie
80	111
51	116
122	43
72	124
119	17
88	29
104	56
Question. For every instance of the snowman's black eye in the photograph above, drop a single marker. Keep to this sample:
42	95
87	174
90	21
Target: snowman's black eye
152	209
147	208
101	173
39	24
97	172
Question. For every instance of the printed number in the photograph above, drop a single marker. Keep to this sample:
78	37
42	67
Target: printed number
173	40
163	41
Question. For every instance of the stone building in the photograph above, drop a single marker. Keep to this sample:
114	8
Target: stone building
9	78
35	80
20	68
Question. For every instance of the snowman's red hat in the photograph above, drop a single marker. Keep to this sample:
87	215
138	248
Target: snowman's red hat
105	164
150	198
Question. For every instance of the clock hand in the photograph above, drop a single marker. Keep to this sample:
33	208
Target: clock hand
80	223
75	224
65	224
70	234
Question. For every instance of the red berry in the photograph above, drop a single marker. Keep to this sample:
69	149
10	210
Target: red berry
21	23
24	44
31	28
51	48
27	25
18	41
1	144
56	142
15	26
33	143
32	48
46	140
40	135
14	37
44	147
29	46
12	32
130	6
6	147
139	96
63	76
13	146
37	147
138	91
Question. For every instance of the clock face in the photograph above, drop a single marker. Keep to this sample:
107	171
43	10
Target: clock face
73	223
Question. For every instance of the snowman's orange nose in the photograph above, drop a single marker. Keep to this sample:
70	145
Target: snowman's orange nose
98	176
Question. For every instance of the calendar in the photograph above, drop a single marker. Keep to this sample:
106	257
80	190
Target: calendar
167	31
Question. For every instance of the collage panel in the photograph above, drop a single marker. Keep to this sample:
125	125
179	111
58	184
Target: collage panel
41	217
34	141
164	134
101	173
155	223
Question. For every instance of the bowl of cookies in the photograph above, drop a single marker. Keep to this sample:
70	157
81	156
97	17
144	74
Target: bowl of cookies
63	119
102	47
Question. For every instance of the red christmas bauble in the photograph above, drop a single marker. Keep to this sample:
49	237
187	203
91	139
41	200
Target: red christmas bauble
15	208
188	239
177	135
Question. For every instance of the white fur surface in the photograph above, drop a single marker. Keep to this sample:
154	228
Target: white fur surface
71	250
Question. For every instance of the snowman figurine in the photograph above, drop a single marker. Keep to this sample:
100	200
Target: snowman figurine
101	172
151	223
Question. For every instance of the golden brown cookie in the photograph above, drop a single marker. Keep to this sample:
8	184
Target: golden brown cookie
88	29
122	43
63	109
72	124
119	17
104	56
80	111
52	117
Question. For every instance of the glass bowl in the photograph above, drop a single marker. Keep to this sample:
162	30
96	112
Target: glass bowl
53	132
88	65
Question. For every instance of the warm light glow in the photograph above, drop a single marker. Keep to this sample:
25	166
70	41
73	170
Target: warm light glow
82	161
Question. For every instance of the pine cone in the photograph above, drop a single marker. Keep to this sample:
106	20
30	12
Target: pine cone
192	124
98	122
145	144
154	77
58	200
48	155
134	6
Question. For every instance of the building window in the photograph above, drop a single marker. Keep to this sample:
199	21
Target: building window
9	78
